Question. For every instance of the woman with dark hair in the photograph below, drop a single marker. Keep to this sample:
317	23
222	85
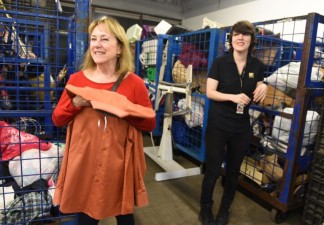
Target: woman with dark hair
103	168
234	81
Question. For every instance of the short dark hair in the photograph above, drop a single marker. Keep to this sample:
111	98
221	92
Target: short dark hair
243	27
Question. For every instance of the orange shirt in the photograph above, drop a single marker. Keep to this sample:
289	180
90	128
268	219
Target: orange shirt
111	102
103	168
132	87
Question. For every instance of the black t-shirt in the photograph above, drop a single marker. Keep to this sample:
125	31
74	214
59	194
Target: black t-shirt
223	115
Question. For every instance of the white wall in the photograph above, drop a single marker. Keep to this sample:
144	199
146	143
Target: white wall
257	11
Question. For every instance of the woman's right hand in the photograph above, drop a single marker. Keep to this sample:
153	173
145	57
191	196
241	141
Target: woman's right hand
79	101
241	99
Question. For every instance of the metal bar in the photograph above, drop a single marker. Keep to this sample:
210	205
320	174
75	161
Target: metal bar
82	16
300	111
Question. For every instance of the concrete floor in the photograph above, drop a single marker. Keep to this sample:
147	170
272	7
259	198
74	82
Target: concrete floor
176	202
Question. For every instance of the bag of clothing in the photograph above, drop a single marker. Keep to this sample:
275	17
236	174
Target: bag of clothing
282	127
14	142
34	164
192	54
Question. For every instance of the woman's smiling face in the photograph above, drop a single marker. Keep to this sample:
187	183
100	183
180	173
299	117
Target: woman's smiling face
104	46
241	42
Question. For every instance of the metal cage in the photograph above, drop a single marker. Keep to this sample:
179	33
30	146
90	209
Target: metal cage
38	52
197	50
285	125
158	59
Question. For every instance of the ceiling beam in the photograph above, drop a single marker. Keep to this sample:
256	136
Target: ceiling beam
161	8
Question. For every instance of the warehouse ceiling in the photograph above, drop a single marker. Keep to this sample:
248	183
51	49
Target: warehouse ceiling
157	8
171	9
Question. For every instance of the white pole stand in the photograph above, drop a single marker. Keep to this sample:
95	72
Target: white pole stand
163	154
172	169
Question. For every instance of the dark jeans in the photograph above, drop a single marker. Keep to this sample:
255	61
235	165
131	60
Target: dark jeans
84	219
220	145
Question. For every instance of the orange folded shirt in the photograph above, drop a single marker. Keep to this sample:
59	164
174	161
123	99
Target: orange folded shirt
111	102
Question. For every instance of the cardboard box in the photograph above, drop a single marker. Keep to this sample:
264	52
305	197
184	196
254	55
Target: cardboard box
251	169
162	27
134	33
277	98
267	55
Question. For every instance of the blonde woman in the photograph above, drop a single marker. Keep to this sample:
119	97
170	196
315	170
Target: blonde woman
103	165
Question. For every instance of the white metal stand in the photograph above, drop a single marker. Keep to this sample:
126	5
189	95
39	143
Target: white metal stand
163	154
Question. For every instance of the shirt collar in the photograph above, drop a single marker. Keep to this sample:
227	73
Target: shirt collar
230	58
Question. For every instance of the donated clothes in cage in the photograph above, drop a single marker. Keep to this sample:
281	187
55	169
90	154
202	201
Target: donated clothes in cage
29	167
37	52
195	48
166	58
285	126
150	61
169	61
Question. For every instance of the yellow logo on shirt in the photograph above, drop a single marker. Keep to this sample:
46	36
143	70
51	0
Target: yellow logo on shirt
251	75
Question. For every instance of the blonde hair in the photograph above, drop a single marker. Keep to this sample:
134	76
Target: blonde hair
125	61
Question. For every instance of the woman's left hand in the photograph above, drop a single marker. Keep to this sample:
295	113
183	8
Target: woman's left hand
78	101
260	92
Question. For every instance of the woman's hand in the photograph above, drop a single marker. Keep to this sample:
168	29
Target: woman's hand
79	101
242	99
260	92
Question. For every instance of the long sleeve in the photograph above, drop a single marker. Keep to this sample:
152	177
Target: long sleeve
65	111
141	98
132	87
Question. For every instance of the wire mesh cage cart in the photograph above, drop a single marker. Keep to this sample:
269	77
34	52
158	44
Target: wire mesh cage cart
285	125
151	63
175	67
38	50
196	49
314	205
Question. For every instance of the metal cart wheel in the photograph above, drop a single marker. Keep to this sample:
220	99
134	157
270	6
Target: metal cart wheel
277	216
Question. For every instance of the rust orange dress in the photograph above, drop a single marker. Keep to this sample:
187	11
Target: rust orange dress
103	168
